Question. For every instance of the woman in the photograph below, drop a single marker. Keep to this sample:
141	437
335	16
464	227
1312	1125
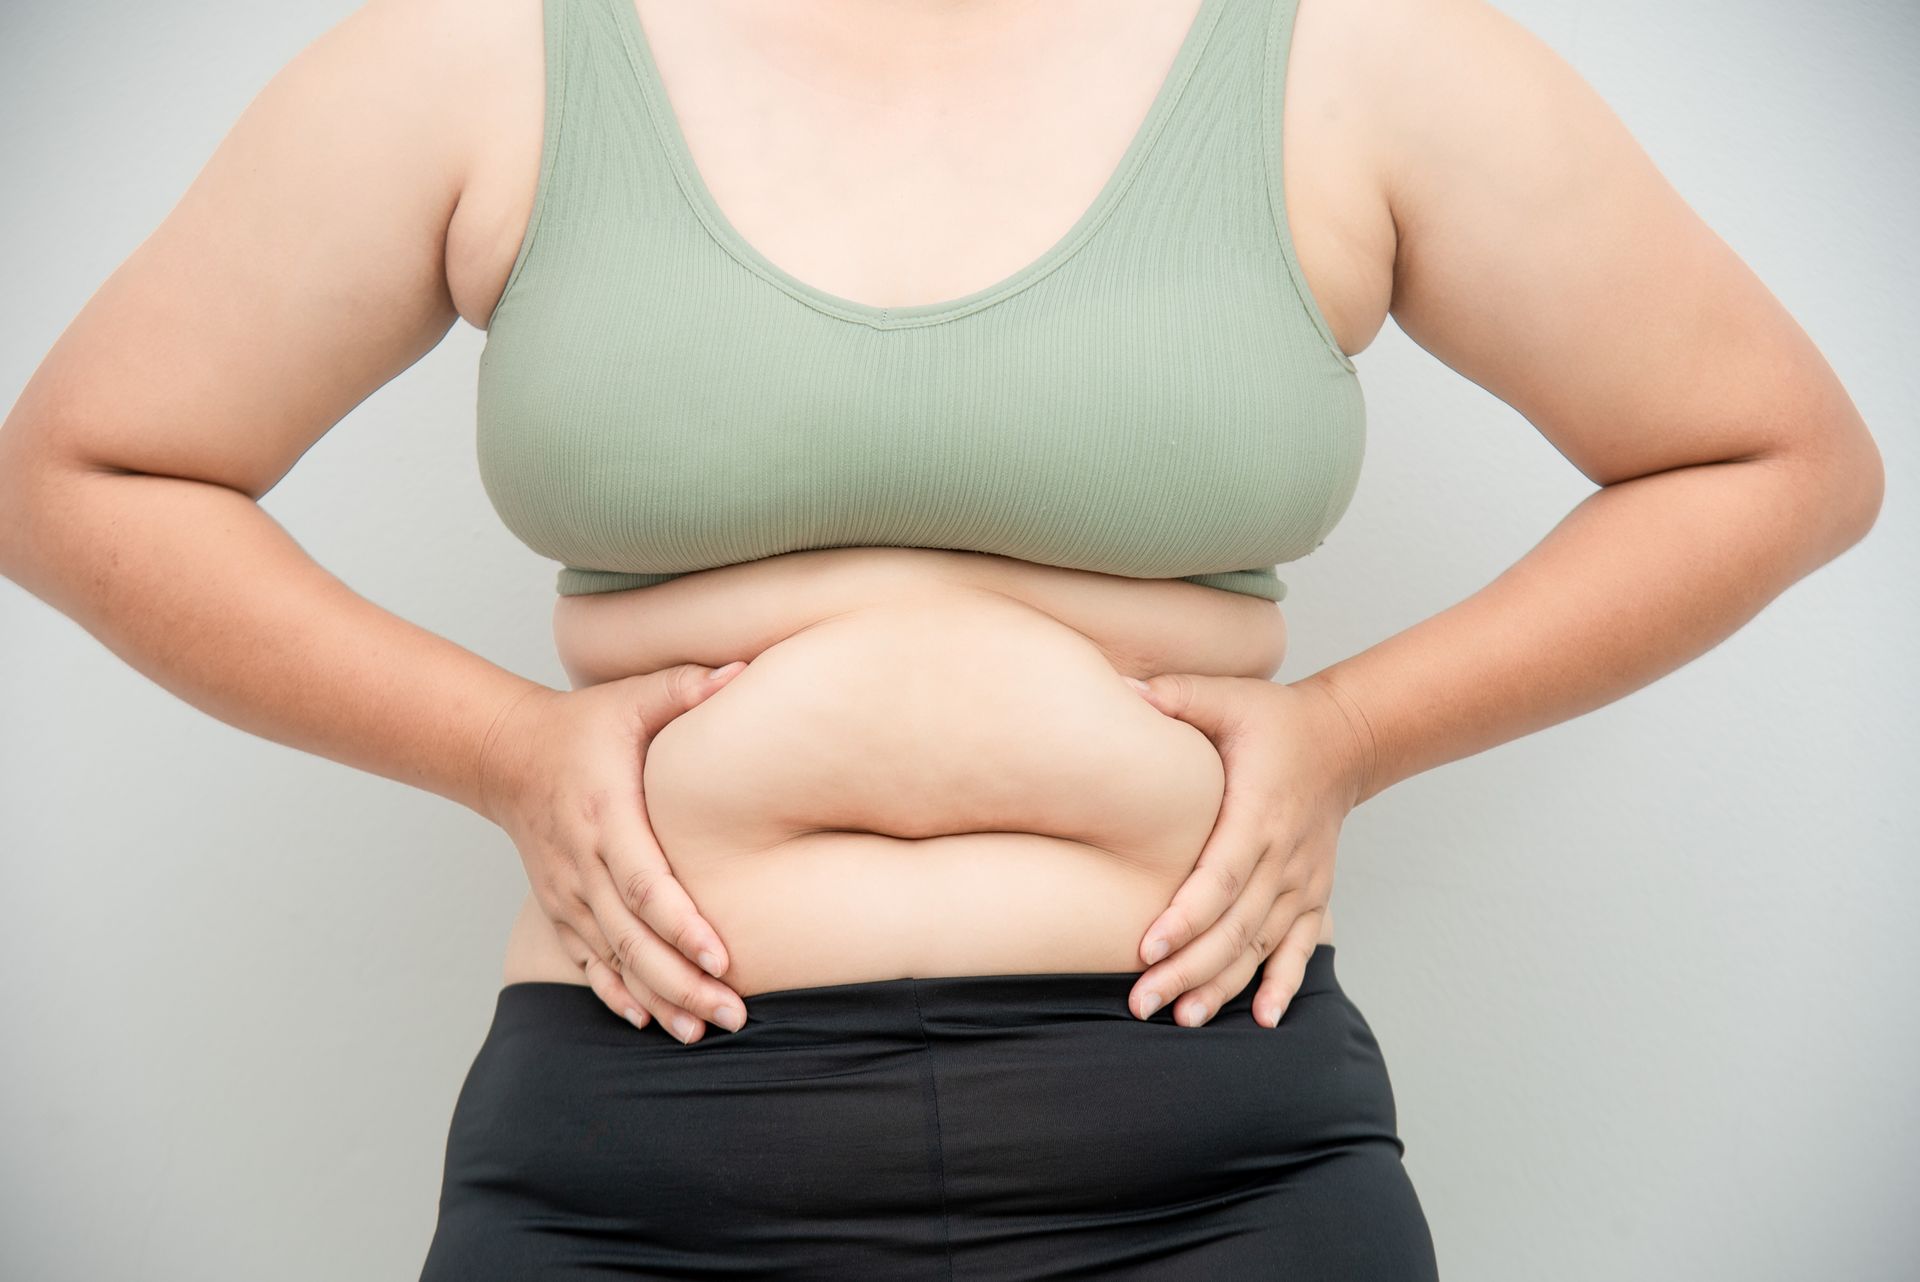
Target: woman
942	424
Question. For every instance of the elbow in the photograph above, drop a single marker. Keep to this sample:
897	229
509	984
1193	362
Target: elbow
37	495
21	482
46	504
1842	484
1859	488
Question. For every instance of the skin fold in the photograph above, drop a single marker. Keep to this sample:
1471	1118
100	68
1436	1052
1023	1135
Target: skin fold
937	777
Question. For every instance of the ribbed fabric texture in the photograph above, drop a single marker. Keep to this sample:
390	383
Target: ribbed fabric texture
1156	396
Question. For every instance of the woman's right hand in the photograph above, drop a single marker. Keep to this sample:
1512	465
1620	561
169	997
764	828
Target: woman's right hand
562	775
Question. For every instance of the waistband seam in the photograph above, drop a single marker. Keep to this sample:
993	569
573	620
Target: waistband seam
939	1132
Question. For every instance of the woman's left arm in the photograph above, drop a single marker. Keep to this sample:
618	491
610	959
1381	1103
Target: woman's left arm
1541	255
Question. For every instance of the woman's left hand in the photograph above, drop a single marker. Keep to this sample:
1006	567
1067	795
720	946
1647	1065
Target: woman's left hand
1295	763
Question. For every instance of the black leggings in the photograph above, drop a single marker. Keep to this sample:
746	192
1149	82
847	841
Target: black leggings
977	1127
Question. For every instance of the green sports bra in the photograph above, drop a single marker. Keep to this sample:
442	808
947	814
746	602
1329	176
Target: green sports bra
1156	396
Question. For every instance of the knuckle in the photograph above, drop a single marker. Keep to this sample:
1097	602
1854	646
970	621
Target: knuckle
1169	977
682	932
626	950
1177	926
1228	880
639	888
1235	932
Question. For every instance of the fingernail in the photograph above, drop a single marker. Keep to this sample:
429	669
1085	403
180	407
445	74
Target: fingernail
1198	1017
730	1018
709	963
1139	685
726	670
683	1027
1156	950
633	1017
1149	1004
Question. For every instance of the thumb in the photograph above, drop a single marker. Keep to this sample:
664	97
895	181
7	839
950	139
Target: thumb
1203	701
664	695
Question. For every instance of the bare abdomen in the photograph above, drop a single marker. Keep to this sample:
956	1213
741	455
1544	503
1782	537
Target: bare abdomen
928	778
936	782
960	786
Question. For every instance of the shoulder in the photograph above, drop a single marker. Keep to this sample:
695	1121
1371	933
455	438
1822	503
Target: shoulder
475	71
1457	90
1391	105
1541	253
459	68
1427	94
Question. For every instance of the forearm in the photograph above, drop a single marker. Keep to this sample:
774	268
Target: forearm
1643	576
199	589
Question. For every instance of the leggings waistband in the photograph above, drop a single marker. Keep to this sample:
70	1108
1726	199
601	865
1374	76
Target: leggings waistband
907	1004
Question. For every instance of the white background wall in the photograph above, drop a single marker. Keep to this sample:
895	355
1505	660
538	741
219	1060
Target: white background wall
1645	981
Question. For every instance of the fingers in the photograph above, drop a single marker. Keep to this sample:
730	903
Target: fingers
605	884
606	984
1202	1003
638	870
1240	931
607	958
1220	876
1235	847
681	995
613	991
1287	968
616	971
1230	914
604	959
1217	882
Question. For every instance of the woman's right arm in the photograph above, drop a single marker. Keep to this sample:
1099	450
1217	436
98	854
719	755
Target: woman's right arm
303	269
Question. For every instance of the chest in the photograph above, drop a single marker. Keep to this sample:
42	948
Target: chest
911	158
1151	392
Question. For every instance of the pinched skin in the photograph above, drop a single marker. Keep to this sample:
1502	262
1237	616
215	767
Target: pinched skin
955	714
907	755
932	764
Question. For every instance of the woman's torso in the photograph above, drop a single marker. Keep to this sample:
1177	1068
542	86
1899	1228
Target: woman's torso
931	765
